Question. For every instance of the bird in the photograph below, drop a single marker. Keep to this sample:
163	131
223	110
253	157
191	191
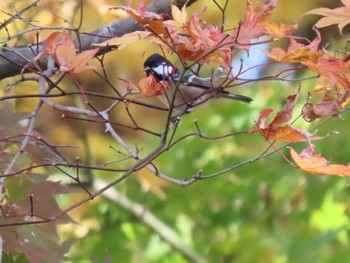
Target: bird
192	89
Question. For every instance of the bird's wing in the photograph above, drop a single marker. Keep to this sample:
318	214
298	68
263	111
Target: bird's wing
195	81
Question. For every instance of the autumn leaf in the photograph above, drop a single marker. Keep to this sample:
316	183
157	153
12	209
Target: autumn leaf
50	45
64	53
275	130
328	106
144	17
275	29
125	40
316	164
180	16
204	42
339	16
335	69
289	133
149	86
71	62
296	52
257	22
286	113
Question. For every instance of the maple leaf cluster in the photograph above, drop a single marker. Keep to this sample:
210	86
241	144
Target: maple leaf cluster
193	39
334	83
196	40
277	130
64	53
334	72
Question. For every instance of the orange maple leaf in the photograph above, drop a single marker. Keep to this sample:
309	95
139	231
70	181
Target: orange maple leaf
316	164
296	52
275	130
339	16
50	45
64	53
149	86
71	62
204	42
192	40
286	133
275	29
144	17
257	22
335	69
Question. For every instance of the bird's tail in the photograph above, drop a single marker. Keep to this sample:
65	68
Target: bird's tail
234	96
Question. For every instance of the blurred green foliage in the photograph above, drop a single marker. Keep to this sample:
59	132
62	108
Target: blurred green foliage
265	211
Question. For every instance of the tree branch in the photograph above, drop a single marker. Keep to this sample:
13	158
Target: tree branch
13	59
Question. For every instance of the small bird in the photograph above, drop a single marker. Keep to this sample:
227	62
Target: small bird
192	90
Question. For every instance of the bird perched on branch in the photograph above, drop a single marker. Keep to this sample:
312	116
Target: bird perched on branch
190	92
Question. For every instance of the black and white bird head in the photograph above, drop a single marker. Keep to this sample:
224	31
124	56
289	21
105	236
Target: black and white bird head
159	67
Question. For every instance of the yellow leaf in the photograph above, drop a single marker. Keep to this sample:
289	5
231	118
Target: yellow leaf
125	40
179	16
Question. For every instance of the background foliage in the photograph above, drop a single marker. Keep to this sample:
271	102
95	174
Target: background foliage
265	211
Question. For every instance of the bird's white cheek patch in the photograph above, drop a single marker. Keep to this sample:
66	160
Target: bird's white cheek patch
162	70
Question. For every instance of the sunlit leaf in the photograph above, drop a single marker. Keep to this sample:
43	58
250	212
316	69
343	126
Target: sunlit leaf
180	16
144	18
338	16
69	60
316	164
125	40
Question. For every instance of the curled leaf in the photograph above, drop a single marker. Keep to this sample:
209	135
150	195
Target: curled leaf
328	106
275	130
316	164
